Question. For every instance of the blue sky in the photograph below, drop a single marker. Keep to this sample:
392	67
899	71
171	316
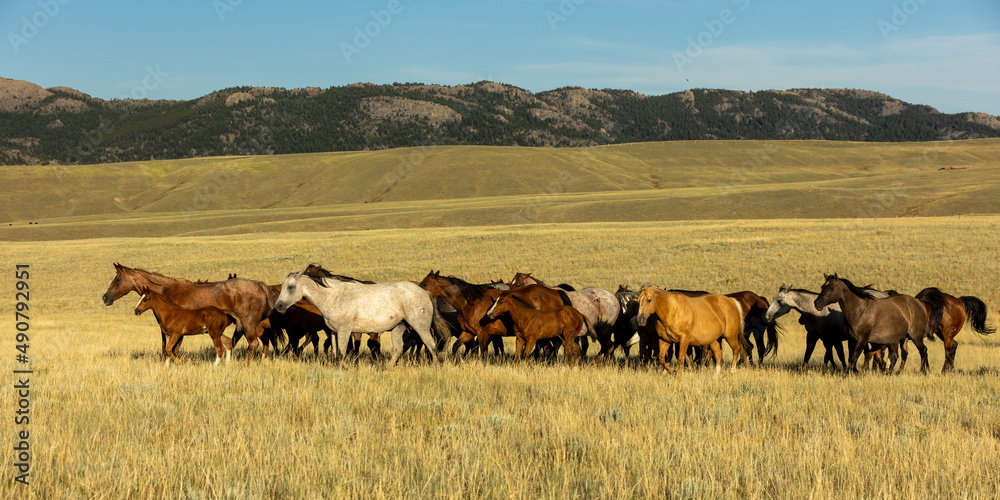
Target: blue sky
943	53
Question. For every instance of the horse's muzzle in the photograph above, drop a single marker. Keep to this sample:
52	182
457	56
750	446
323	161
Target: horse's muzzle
280	307
107	300
641	320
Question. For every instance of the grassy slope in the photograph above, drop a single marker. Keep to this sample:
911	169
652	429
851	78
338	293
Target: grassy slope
472	186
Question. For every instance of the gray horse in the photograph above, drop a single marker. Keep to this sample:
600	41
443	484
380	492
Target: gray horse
826	324
348	307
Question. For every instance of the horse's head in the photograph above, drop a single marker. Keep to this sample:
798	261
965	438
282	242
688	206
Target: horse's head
500	305
291	292
120	285
779	306
522	280
647	304
831	292
145	304
432	283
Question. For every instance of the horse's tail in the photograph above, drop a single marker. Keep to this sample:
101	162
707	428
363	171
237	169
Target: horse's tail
588	327
440	328
935	302
565	297
741	338
770	327
975	313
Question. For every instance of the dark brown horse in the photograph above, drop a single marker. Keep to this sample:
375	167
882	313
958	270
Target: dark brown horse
176	322
956	312
883	321
246	302
532	325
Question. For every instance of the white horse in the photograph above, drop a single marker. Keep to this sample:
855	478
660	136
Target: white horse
348	307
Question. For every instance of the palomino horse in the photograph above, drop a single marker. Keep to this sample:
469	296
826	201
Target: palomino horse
883	322
754	321
245	301
532	324
699	321
599	306
176	322
349	306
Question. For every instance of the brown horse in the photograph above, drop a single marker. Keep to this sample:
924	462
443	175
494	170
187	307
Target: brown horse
532	324
246	302
698	321
883	321
599	306
471	302
176	322
956	312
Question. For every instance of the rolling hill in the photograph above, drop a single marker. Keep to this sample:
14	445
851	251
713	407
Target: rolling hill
444	186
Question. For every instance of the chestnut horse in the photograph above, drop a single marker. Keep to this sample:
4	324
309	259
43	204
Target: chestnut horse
471	302
697	321
883	322
599	306
532	325
246	302
176	322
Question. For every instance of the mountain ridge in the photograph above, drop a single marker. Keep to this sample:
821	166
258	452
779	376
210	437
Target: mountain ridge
60	125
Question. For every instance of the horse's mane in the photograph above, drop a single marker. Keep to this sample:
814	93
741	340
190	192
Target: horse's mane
863	292
521	301
689	293
316	273
469	291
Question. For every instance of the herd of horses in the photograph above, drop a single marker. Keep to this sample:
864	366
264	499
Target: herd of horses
424	316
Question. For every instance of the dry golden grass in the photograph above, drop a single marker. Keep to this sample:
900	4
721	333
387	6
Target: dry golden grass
109	421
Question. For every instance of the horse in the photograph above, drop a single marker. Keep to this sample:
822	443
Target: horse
176	322
247	302
470	302
755	322
882	321
626	329
599	306
699	321
956	312
533	324
349	306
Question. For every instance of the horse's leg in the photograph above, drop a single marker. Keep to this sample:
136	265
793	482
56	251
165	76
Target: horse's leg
838	345
903	353
716	348
344	333
950	348
859	347
217	341
662	356
758	337
584	346
429	342
171	345
462	339
228	344
893	357
397	343
518	348
529	343
734	344
375	346
682	348
918	340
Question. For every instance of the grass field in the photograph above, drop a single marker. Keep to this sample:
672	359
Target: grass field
109	421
